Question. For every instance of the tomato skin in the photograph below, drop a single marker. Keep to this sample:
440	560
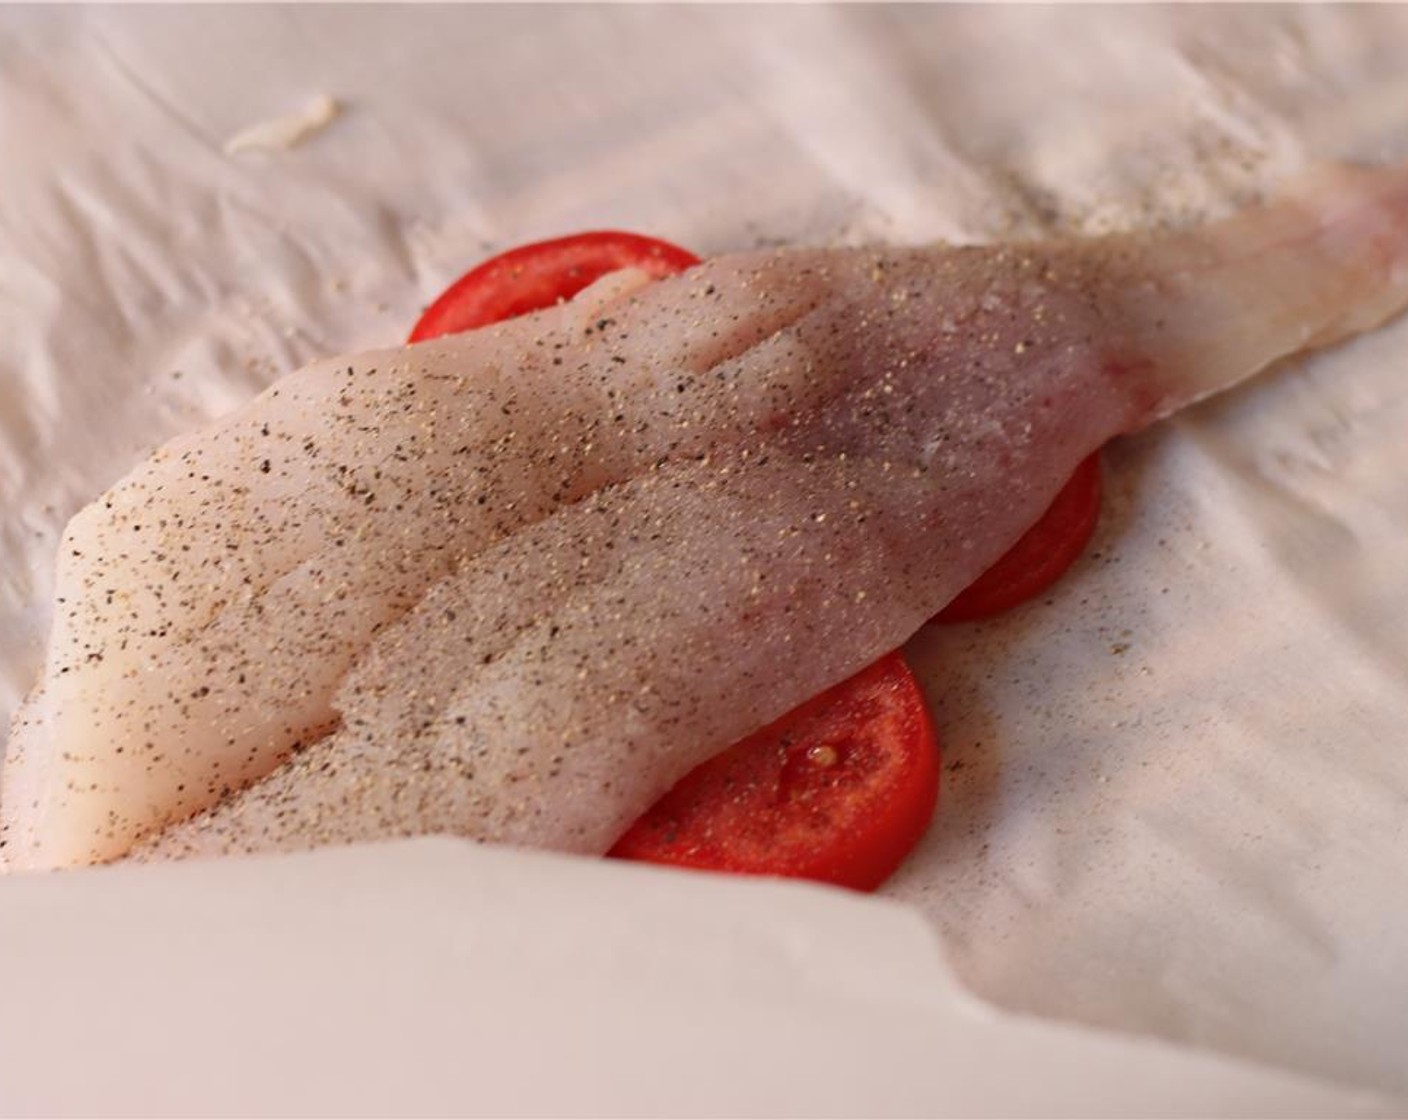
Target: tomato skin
766	806
539	275
1041	556
839	790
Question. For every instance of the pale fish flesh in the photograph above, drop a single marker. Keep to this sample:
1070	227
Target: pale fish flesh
513	584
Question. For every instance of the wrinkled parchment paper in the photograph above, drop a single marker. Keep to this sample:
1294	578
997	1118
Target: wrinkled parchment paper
437	978
1176	795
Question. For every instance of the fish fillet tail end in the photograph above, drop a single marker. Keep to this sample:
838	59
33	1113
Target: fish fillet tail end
1323	261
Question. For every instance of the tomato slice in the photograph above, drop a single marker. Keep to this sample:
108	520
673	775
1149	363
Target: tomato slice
843	787
539	275
1041	556
839	790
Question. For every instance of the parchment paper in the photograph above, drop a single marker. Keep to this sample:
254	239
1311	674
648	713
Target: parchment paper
1176	790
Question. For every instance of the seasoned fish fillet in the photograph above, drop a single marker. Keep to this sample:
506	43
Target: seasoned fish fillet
515	583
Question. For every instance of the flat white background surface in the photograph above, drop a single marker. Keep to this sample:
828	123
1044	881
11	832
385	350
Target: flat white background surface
1176	801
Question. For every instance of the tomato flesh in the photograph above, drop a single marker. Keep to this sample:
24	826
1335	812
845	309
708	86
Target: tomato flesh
839	790
1041	556
843	787
539	275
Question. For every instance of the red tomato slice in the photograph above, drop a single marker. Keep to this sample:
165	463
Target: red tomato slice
535	276
841	788
838	790
1041	556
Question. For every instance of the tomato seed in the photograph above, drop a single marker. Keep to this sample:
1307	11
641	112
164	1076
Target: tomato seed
823	756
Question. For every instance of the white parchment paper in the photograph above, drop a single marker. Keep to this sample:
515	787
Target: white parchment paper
1177	790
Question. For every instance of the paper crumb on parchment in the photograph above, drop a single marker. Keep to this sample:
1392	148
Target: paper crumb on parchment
288	131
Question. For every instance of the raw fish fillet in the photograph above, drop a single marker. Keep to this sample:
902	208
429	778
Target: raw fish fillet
514	584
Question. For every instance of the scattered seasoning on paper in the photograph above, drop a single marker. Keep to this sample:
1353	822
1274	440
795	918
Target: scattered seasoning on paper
286	132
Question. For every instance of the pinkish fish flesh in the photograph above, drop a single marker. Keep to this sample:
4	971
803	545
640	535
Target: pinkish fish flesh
513	584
